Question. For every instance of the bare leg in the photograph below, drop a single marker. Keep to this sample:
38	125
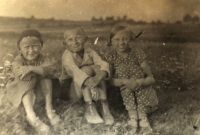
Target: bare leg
133	121
102	85
28	105
31	116
46	87
86	92
39	95
102	88
87	95
107	116
144	122
91	113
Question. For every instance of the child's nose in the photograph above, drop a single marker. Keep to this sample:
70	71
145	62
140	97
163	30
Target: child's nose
121	42
30	49
76	40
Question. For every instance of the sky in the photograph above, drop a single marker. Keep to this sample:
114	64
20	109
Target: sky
146	10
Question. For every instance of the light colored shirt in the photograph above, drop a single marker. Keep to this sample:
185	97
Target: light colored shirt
72	63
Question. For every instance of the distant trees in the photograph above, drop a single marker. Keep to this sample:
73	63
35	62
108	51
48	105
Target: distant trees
195	19
97	19
117	19
189	19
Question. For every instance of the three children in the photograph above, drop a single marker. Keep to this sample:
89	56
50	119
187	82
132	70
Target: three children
131	73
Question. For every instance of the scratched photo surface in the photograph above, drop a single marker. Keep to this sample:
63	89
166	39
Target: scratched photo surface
169	35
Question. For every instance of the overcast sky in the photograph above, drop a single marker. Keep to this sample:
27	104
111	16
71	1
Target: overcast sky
146	10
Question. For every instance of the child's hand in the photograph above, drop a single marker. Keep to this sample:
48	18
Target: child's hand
125	90
130	83
92	82
23	71
95	93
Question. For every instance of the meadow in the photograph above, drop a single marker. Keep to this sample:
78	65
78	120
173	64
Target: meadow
173	54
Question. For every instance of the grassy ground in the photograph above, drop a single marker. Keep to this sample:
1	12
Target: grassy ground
174	66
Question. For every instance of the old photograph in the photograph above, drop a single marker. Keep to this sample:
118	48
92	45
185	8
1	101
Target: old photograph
100	67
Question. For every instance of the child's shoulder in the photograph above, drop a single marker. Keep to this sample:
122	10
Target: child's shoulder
89	50
137	50
18	59
66	52
110	53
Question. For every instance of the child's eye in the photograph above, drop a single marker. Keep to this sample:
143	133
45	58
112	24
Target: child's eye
35	46
116	39
78	37
70	39
26	47
126	38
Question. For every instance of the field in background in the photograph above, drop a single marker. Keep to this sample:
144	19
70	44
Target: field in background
172	52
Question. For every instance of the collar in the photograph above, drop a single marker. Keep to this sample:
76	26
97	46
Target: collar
33	62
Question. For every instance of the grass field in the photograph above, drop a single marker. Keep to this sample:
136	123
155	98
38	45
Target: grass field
172	52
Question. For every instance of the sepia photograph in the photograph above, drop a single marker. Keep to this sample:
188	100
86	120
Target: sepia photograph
99	67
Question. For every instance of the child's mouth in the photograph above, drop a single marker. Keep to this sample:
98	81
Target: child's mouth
32	55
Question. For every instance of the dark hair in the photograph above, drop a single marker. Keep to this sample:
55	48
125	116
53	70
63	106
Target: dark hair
29	33
117	28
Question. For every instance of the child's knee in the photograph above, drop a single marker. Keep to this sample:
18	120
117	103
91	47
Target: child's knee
45	81
88	70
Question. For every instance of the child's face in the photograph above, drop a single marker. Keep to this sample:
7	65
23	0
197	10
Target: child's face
75	40
121	40
30	48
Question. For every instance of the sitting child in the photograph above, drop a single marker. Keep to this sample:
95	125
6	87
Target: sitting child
132	74
29	82
88	70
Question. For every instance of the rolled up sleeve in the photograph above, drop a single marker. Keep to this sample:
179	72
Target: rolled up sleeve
72	69
16	65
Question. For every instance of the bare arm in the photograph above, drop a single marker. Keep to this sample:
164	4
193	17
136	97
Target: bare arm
37	69
149	79
132	83
104	66
25	71
116	82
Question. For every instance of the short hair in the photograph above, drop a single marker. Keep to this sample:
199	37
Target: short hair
74	28
116	28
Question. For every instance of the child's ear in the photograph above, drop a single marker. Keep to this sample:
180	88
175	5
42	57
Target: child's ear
64	43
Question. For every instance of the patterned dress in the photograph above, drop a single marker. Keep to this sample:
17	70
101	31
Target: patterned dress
143	99
16	87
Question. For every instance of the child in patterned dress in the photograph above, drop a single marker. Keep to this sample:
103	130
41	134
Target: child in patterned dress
30	82
132	74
